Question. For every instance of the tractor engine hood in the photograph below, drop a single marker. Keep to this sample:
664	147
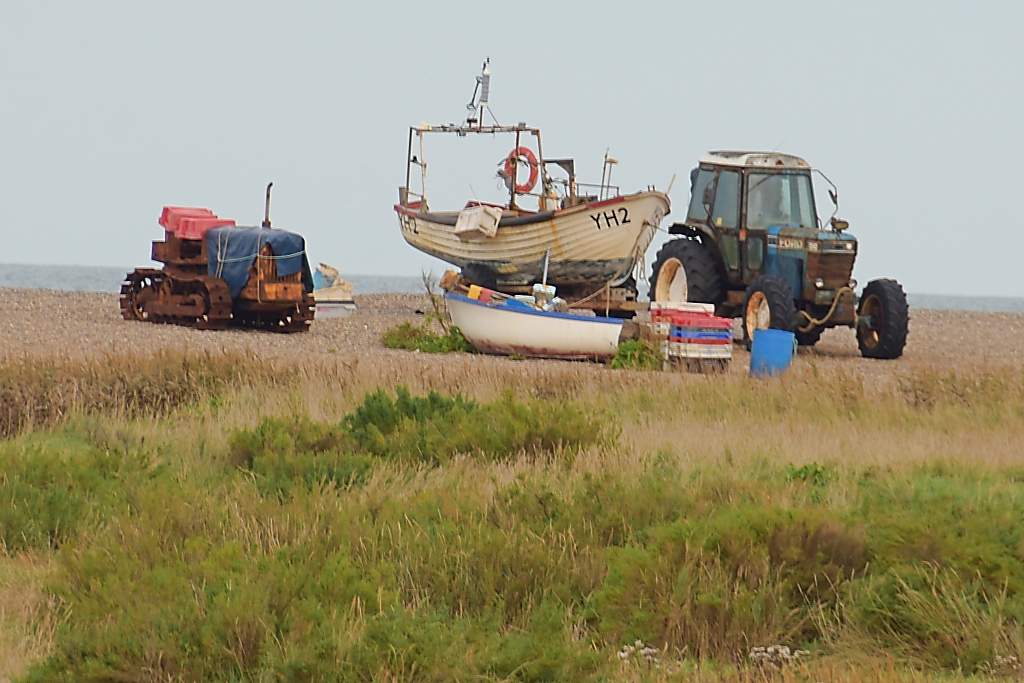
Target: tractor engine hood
811	241
815	263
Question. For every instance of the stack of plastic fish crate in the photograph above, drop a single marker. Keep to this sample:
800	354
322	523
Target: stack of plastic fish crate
691	336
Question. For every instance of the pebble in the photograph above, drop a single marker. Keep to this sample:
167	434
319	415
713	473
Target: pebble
76	325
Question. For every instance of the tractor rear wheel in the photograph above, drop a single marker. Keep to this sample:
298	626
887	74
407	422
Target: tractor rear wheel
768	305
684	270
883	319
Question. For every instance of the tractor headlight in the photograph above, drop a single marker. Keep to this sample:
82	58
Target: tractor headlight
852	283
819	283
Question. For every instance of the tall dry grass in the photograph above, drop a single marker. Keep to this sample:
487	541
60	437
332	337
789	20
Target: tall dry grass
702	528
37	393
29	615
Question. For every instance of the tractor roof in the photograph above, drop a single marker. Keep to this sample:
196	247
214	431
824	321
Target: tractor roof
754	159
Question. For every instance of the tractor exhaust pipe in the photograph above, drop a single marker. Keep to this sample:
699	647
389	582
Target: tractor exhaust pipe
266	209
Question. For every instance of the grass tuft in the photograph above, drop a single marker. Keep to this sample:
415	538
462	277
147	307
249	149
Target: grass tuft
636	354
422	338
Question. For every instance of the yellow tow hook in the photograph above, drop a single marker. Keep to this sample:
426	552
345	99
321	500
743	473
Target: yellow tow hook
813	322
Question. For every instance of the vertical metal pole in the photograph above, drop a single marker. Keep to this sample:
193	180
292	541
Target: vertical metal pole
423	174
515	172
408	163
543	170
600	193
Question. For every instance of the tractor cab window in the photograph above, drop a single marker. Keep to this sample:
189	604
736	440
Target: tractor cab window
727	200
779	199
699	182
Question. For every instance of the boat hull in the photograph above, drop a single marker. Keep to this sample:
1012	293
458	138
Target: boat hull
506	330
590	244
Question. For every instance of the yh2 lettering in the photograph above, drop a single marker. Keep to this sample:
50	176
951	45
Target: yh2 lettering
615	217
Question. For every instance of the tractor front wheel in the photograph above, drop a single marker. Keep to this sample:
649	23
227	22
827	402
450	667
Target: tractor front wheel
768	305
882	320
809	338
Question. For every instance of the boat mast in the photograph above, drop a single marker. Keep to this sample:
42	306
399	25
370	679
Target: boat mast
478	107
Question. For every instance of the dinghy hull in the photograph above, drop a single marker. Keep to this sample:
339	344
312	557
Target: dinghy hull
517	329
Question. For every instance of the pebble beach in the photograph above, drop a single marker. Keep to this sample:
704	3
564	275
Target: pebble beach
64	325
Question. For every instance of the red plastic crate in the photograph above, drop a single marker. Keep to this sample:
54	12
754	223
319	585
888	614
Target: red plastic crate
191	228
171	216
697	320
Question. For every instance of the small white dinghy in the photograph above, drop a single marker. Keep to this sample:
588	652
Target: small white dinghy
513	327
333	295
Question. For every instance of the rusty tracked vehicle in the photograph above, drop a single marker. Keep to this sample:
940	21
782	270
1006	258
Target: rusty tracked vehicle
218	275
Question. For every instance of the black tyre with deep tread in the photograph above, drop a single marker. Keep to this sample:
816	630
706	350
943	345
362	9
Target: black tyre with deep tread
809	338
703	283
886	335
781	307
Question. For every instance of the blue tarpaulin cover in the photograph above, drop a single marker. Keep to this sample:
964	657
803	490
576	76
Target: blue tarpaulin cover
231	250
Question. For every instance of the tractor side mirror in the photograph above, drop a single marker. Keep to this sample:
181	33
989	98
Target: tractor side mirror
838	224
709	194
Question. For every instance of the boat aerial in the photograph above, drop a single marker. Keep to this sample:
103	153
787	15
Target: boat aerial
590	237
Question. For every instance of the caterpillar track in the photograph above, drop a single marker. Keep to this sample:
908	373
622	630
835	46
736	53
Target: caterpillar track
199	301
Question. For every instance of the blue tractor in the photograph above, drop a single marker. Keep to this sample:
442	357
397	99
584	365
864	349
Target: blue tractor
752	244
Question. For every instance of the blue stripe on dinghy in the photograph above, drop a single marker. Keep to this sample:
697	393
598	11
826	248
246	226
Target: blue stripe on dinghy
530	311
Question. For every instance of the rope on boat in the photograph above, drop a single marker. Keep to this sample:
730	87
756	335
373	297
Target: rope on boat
606	289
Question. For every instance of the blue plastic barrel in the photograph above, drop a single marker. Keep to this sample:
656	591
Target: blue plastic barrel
771	352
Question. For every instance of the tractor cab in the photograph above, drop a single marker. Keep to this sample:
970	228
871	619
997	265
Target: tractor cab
755	247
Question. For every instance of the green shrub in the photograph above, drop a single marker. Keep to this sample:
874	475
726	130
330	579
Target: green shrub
286	452
422	338
636	354
51	486
435	428
410	429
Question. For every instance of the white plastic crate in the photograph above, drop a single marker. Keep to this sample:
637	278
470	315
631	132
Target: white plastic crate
681	350
685	306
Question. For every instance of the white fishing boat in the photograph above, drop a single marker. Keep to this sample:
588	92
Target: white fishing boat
511	327
592	235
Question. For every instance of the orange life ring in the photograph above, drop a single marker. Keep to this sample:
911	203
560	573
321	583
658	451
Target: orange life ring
531	160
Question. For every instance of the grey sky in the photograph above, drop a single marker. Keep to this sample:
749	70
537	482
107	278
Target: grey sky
108	111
